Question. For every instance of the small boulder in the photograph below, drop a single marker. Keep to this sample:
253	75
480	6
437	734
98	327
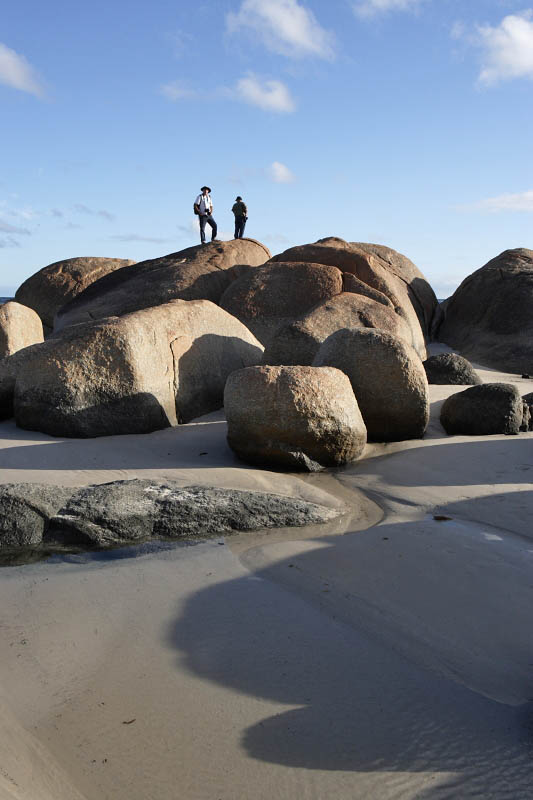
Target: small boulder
388	380
20	327
484	410
274	295
450	368
299	342
53	286
294	417
25	509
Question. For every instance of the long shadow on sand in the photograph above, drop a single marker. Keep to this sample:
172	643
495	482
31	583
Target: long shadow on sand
363	659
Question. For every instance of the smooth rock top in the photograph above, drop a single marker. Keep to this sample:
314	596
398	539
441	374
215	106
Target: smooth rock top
276	294
490	316
202	272
53	286
297	418
20	326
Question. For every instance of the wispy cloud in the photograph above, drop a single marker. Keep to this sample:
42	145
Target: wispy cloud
135	237
17	73
55	212
283	26
521	201
8	241
176	90
372	8
5	227
279	173
269	95
508	49
83	209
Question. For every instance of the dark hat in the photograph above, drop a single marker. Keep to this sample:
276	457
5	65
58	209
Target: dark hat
238	198
205	187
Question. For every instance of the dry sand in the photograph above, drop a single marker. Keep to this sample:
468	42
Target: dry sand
385	655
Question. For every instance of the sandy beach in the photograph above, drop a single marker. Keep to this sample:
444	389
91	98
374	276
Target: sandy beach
387	654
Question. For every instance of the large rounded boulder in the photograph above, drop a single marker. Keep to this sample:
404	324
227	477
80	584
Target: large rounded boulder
485	410
388	380
268	297
384	270
297	418
20	326
53	286
133	374
202	272
299	342
489	318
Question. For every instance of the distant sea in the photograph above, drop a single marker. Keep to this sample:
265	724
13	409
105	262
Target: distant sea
5	299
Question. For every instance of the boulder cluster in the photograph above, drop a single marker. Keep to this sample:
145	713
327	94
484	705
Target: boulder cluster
311	352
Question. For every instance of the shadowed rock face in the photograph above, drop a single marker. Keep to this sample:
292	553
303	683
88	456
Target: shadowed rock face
56	284
121	512
450	368
299	342
484	410
297	418
384	270
274	295
20	326
196	273
131	374
388	380
489	318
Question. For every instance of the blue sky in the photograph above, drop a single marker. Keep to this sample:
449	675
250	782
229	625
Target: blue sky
403	122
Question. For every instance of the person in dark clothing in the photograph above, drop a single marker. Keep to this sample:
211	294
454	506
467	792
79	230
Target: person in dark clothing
241	215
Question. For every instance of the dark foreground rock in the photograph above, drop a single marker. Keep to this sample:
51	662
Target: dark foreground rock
489	318
450	368
25	509
485	410
122	512
293	417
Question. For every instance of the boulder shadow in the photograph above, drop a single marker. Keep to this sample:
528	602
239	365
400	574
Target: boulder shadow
362	705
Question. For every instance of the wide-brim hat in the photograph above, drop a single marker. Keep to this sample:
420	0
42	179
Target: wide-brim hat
205	187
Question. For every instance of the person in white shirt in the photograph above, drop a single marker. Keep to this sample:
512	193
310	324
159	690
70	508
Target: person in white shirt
203	207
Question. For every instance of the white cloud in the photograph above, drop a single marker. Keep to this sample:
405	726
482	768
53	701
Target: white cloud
268	95
176	91
279	173
522	201
17	73
371	8
284	26
508	49
8	241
